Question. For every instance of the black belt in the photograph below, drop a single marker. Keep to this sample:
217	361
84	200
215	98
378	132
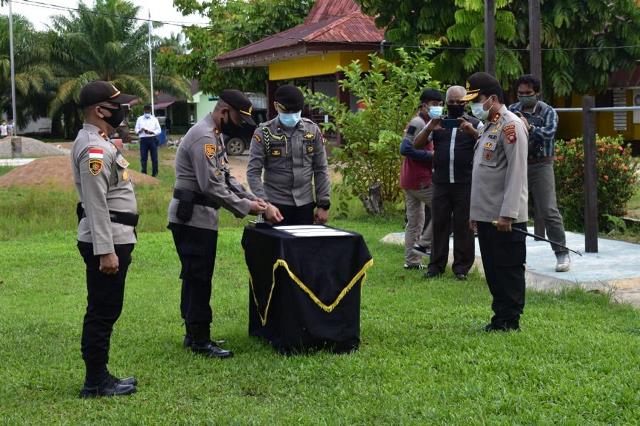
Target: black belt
194	197
541	160
124	218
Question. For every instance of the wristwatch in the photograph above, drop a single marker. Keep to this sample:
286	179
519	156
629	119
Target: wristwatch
324	206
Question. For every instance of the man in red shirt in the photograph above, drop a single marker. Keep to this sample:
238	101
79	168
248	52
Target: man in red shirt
415	180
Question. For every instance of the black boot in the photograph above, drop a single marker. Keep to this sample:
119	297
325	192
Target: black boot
201	343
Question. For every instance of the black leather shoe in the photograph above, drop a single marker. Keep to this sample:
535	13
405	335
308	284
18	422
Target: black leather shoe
188	341
432	274
111	386
128	381
461	277
504	326
211	350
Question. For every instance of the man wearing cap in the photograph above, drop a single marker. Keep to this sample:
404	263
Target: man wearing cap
290	150
499	199
203	185
415	180
148	129
107	216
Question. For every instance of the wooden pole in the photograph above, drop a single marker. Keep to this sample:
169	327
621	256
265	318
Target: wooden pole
590	176
535	49
490	37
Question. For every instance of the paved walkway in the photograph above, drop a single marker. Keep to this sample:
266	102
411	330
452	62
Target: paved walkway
614	269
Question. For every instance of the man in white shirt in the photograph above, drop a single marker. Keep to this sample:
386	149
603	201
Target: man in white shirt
3	130
148	128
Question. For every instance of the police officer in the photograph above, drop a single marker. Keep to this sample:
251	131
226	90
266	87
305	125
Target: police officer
107	215
499	199
203	185
290	150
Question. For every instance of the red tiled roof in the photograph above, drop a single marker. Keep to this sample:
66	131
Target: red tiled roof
625	78
322	30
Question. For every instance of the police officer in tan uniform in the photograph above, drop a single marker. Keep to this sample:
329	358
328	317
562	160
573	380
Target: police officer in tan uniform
290	150
203	185
499	199
107	215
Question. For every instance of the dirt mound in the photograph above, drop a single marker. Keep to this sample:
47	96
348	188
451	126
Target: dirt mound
55	172
31	148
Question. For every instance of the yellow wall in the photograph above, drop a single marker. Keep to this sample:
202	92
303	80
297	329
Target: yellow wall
310	66
570	123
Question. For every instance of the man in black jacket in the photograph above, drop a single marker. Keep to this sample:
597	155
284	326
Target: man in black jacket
452	164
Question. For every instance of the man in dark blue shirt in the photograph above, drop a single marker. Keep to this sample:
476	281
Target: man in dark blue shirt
541	121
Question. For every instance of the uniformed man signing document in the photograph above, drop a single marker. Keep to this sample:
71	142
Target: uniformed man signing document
107	215
203	185
499	199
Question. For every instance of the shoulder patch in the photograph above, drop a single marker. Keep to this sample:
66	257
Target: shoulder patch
510	133
209	150
96	156
411	130
257	137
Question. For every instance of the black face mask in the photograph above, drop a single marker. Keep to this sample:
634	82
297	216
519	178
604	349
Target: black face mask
229	128
117	115
455	111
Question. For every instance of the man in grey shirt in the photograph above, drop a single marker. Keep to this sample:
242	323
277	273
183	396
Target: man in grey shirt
499	199
290	150
203	185
107	216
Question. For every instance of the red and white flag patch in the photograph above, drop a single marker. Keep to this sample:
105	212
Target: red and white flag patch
96	153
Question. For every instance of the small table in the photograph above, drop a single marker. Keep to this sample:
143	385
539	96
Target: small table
304	290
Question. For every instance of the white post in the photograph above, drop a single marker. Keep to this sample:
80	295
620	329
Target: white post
153	111
13	72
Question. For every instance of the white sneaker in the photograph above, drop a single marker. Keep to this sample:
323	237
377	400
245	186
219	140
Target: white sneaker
564	262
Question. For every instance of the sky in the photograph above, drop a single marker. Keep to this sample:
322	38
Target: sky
39	12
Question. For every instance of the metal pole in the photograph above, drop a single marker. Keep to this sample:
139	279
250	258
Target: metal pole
535	51
590	176
13	72
153	111
490	37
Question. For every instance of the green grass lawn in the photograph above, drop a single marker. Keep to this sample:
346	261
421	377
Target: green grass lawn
423	358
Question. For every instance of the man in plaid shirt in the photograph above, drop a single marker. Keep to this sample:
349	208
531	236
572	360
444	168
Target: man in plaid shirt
541	121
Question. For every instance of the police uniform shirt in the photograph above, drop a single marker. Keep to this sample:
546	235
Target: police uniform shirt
202	166
453	153
499	177
101	176
293	160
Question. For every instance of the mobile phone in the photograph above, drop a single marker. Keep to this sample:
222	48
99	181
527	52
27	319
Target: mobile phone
450	123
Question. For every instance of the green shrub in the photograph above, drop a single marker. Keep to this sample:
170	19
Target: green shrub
371	137
617	179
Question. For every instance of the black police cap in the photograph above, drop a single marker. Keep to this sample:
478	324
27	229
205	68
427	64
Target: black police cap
482	83
239	101
431	95
289	98
102	91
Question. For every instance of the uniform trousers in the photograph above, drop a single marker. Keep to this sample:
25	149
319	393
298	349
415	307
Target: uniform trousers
196	249
149	146
105	295
542	189
503	258
296	215
415	233
451	199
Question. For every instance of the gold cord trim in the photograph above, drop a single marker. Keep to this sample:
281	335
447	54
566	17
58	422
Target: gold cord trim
362	273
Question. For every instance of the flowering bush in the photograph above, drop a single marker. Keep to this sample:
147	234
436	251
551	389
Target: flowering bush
617	179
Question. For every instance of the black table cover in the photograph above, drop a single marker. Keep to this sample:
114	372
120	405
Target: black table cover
304	292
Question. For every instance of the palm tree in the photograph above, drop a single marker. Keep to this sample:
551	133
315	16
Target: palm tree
34	78
105	42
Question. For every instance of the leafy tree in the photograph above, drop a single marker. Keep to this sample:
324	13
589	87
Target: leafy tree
105	42
567	24
233	24
371	138
33	75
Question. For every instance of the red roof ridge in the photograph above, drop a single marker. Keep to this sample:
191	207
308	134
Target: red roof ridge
337	20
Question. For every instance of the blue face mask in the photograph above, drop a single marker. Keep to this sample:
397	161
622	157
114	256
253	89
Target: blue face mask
147	115
290	119
435	111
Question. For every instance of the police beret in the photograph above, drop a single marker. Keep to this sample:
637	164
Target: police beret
430	95
290	98
98	91
239	101
482	83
